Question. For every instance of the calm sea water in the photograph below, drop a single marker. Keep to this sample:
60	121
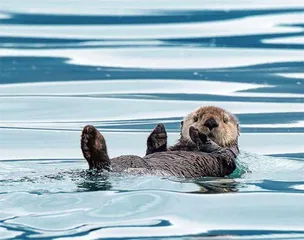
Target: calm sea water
125	66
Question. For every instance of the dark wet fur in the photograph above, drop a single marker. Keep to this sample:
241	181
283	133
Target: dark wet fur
94	148
185	159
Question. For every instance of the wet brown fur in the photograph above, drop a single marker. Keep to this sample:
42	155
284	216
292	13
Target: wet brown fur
94	148
192	156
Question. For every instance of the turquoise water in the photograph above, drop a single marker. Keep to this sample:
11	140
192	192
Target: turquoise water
124	67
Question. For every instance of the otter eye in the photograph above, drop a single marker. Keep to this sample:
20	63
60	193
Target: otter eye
225	119
195	119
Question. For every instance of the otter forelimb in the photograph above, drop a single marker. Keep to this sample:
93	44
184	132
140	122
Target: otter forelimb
157	142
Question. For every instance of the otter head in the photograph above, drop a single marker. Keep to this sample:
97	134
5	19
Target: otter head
219	125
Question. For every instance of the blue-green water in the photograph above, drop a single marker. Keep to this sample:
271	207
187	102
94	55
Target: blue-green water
125	66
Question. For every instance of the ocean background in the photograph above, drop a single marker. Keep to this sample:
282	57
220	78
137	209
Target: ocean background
125	66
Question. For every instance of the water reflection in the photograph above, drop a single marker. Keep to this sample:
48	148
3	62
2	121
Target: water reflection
93	181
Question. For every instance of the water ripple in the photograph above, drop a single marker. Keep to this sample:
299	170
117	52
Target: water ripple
124	68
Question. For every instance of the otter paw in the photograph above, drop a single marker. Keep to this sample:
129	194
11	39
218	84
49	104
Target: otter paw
202	141
196	136
157	140
87	141
193	132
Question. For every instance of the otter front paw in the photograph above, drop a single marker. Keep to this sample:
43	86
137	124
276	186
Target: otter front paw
157	140
198	138
202	141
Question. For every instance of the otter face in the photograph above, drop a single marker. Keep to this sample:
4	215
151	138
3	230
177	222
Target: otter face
219	125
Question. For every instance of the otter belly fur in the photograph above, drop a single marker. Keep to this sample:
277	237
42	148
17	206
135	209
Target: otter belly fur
208	146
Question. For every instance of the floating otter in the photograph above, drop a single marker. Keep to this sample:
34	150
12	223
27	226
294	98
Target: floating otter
208	146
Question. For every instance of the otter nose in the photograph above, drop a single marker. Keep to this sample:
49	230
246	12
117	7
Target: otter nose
211	123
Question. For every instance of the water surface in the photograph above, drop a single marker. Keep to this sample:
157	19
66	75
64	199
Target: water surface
124	67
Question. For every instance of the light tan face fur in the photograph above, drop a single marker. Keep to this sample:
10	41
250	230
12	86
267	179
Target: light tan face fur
225	135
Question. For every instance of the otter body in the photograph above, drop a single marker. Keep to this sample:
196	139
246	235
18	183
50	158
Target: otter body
189	164
207	147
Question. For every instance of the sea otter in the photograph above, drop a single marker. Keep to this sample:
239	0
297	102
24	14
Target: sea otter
208	146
